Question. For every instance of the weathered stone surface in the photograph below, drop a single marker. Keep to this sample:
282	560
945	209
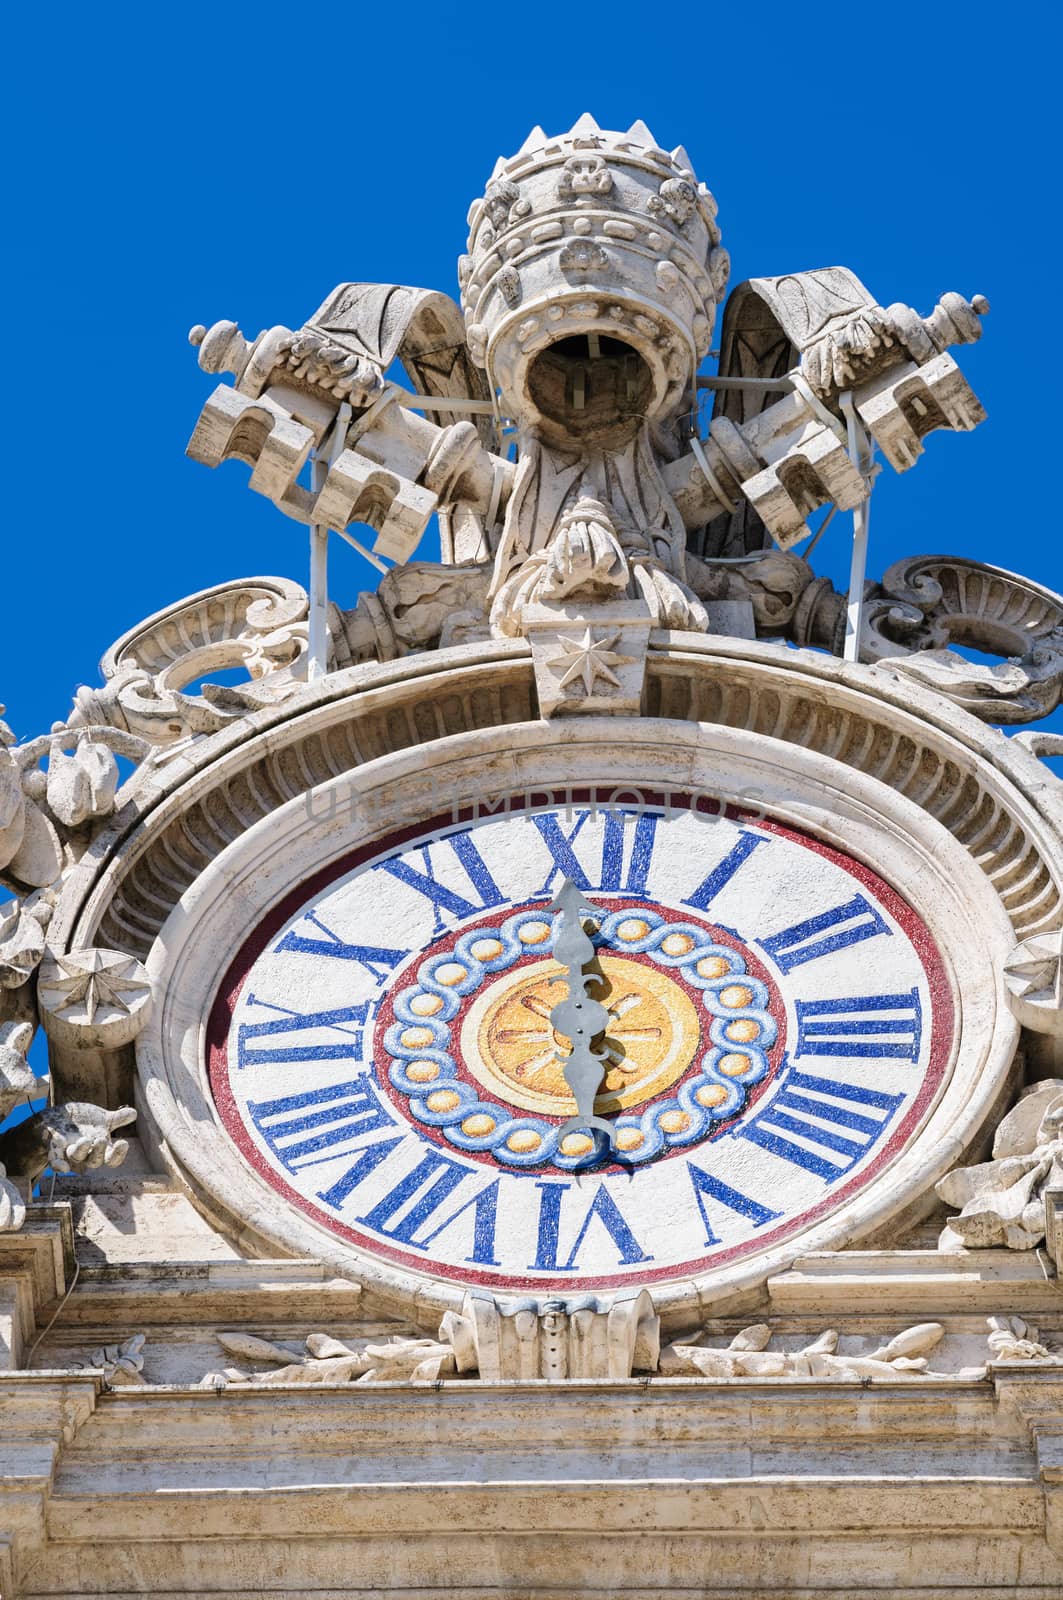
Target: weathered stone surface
262	1359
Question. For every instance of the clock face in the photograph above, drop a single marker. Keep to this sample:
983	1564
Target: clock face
779	1025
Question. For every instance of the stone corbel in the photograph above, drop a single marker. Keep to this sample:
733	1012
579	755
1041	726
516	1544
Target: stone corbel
555	1339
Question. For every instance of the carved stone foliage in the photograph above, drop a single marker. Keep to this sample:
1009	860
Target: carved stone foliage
257	623
576	1338
1012	1339
1002	1201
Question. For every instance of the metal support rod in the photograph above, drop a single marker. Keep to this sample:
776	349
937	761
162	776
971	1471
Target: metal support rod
752	385
434	402
317	653
329	450
858	455
374	561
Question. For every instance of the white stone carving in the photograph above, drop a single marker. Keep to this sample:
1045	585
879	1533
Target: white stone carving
924	602
93	999
12	1204
588	665
1012	1339
748	1356
328	1360
388	467
255	623
589	291
122	1365
73	1137
577	1338
1002	1201
1033	978
82	785
23	925
18	1081
581	1337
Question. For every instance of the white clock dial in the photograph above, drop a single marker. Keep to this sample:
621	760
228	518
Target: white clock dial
382	1055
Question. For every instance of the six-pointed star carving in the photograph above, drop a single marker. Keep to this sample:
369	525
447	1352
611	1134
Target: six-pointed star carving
588	658
94	978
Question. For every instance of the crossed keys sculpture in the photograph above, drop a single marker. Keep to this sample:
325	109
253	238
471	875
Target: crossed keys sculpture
589	294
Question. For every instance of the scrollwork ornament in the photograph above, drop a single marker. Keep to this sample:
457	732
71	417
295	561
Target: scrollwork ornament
925	604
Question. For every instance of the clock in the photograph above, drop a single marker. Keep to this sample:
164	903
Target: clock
790	1043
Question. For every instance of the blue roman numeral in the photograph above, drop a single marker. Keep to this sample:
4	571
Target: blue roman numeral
441	897
603	1207
347	1048
802	1106
485	1215
611	879
860	1026
721	875
370	956
805	941
443	1177
303	1129
706	1185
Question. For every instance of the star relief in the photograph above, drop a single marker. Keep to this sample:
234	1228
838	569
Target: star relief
91	980
588	658
1034	970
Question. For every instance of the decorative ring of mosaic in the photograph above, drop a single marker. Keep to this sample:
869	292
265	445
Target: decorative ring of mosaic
424	1070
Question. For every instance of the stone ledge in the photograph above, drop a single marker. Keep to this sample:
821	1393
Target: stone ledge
833	1283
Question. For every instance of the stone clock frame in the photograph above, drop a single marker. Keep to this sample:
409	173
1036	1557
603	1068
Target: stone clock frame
808	788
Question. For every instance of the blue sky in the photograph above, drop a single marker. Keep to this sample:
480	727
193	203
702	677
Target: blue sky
176	165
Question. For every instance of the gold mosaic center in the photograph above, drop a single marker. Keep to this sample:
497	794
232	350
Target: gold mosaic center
511	1049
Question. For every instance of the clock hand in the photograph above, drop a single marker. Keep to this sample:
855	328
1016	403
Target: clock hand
579	1017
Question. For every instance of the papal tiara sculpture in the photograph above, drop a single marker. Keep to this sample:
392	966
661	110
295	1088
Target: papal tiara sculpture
560	441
